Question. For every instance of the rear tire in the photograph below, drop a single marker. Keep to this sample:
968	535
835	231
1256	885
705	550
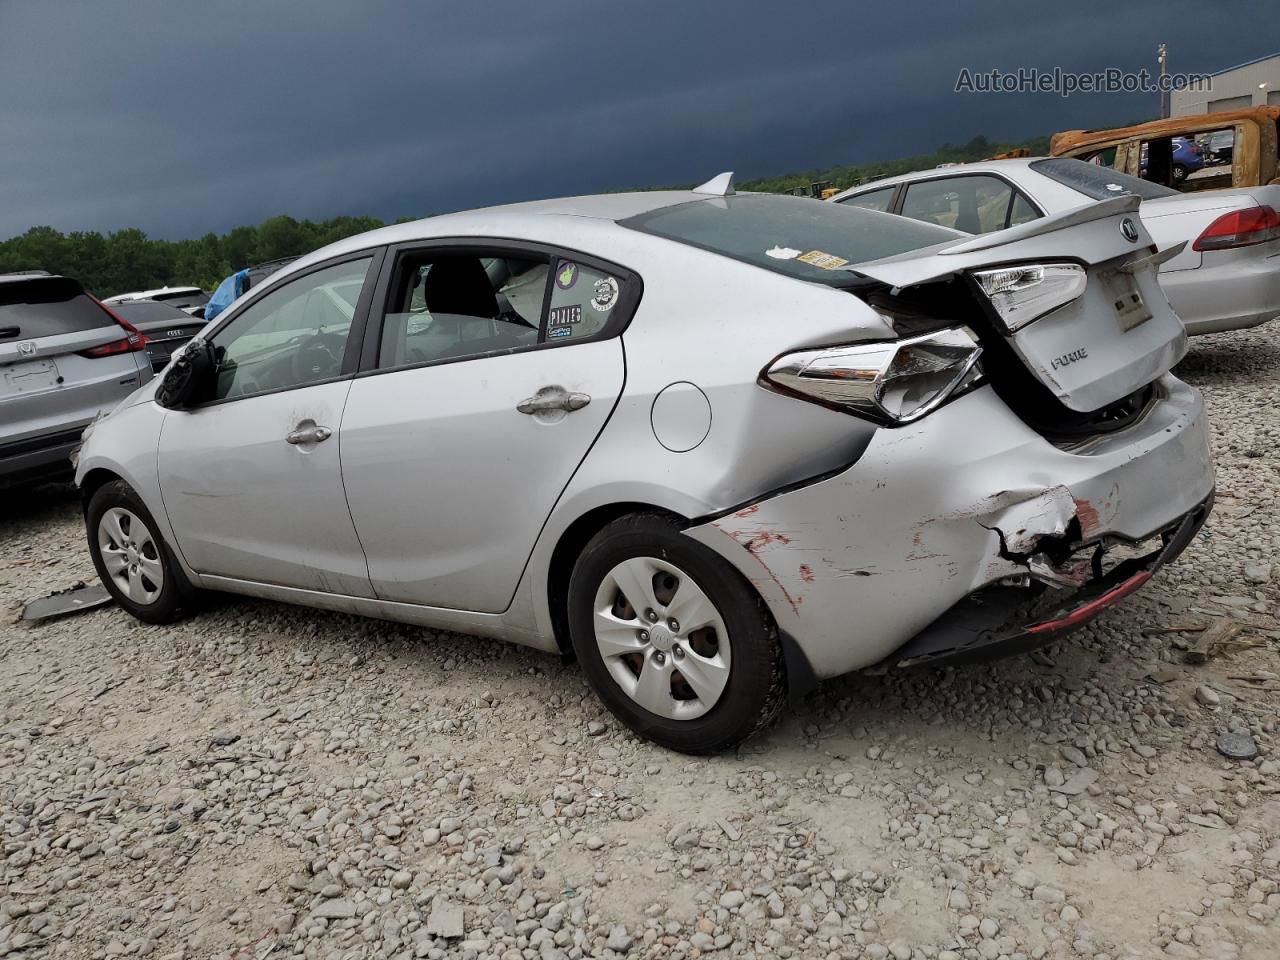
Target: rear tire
698	687
135	564
1179	173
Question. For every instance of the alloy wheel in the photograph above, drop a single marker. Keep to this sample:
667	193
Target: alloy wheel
661	638
130	555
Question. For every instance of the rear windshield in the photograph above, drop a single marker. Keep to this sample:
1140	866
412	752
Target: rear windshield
188	297
802	238
1098	182
40	307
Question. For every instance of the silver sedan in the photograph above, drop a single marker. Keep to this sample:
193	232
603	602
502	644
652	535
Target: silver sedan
717	446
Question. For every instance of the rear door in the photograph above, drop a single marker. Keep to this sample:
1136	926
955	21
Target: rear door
63	359
487	376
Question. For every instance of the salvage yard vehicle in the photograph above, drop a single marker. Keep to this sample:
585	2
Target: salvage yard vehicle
166	327
1226	276
190	300
715	445
1248	138
64	358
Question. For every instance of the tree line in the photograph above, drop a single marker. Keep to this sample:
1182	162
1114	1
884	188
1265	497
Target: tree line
128	259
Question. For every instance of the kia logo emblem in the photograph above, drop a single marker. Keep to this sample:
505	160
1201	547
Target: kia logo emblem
1129	229
27	348
173	333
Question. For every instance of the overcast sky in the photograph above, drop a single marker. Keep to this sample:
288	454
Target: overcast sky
188	116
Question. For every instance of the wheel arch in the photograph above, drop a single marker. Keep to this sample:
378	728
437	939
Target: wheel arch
570	544
93	481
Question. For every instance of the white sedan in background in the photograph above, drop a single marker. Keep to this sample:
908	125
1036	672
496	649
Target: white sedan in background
1226	278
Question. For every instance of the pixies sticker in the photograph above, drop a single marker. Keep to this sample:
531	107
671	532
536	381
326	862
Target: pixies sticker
606	294
567	275
562	316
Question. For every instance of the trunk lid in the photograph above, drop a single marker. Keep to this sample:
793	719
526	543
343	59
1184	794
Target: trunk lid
1116	337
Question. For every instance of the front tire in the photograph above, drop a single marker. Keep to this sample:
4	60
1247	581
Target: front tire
672	638
135	564
1179	173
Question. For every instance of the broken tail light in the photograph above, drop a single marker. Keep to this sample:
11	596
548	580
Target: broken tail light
1026	292
1240	228
893	381
133	339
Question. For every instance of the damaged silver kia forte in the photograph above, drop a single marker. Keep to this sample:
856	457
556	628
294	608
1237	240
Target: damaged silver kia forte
714	445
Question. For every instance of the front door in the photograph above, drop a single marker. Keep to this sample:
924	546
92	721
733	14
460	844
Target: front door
495	373
251	479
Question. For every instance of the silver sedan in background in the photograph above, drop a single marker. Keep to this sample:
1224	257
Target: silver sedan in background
715	445
1225	276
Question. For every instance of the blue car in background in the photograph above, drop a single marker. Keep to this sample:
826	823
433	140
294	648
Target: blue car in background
1187	159
240	283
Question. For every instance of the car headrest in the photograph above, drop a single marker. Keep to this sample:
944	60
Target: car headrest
459	285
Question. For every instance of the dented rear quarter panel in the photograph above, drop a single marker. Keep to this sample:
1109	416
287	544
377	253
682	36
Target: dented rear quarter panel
855	565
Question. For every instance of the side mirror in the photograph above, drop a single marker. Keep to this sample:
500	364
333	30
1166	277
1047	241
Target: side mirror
187	377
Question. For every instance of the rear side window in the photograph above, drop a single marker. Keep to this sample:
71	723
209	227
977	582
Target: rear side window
1097	182
790	235
974	204
582	300
448	306
872	199
47	307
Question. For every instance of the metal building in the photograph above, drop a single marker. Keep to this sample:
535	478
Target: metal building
1252	84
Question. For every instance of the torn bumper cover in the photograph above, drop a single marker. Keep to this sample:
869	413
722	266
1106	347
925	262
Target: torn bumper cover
970	501
1002	620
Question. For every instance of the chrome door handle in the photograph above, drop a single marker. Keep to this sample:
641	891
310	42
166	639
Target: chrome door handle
311	434
553	398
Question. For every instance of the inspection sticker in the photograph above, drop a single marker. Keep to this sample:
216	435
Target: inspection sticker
826	261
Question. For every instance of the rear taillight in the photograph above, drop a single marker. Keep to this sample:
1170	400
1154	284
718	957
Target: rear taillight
1240	228
1025	292
893	381
132	340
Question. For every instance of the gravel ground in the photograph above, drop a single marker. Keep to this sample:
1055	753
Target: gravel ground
264	779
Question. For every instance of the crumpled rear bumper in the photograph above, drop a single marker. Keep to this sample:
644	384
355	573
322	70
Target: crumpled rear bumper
856	565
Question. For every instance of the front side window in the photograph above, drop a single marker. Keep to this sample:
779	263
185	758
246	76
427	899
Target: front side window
445	306
974	204
872	199
293	336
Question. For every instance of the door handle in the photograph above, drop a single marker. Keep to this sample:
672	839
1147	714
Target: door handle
309	434
553	398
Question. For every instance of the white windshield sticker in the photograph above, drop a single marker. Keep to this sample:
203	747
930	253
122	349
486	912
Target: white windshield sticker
1115	187
783	253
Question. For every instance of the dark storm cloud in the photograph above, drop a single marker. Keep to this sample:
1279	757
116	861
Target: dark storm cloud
185	118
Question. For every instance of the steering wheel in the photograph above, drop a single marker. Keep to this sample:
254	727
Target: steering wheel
318	357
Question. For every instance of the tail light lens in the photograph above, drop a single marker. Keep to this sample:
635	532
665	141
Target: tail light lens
1027	292
1240	228
132	340
894	381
